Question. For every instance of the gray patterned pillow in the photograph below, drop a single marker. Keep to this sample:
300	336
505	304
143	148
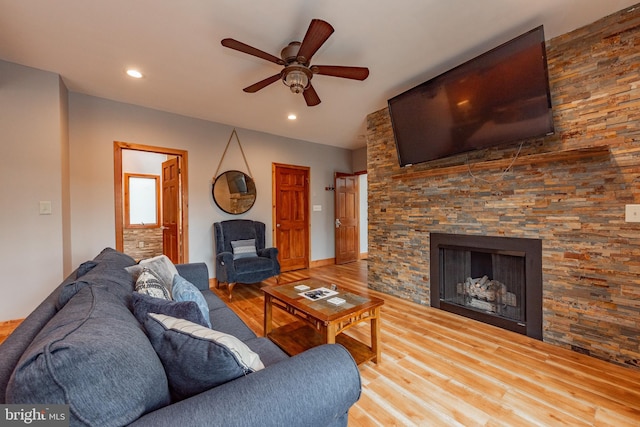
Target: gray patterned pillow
244	248
150	284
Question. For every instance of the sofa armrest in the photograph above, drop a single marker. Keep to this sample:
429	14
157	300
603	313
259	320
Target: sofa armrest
314	388
196	273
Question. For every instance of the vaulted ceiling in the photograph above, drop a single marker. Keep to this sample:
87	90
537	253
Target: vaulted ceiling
176	45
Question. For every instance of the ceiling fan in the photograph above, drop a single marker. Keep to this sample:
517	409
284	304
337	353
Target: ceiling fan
295	58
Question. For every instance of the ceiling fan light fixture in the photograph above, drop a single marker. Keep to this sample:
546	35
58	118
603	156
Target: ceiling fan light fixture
296	59
296	80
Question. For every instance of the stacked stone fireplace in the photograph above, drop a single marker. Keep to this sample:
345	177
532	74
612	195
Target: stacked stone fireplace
496	280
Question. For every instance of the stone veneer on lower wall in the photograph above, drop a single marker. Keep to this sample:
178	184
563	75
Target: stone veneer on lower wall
591	257
150	237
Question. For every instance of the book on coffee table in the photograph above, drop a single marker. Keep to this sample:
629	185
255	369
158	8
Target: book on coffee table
318	294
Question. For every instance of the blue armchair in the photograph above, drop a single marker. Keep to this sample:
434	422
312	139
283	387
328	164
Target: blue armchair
240	253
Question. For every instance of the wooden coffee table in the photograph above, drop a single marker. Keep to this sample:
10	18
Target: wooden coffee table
320	321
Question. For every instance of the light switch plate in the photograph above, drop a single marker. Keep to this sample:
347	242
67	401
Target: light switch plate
632	213
317	208
45	208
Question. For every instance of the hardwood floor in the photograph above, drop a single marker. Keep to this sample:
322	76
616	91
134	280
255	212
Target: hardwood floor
439	369
7	327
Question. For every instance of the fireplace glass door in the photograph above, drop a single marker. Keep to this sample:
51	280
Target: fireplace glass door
491	282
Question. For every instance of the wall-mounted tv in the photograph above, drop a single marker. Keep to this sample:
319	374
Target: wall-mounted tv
499	97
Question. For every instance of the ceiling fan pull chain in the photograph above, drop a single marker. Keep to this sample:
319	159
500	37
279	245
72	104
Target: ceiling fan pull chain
225	152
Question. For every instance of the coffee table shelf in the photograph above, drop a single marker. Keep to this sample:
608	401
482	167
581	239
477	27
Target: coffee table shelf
296	337
320	322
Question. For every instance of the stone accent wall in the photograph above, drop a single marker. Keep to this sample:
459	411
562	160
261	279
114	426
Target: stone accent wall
574	203
150	237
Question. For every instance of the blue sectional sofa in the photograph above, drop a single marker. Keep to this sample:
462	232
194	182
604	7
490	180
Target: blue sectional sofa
83	346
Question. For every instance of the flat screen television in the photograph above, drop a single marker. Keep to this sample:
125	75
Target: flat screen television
499	97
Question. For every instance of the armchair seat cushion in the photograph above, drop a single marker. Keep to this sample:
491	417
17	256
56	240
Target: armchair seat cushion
254	265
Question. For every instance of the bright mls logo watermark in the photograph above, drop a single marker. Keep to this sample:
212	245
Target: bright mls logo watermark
34	415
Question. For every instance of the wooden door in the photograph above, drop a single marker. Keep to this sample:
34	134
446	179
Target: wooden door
171	214
291	216
347	218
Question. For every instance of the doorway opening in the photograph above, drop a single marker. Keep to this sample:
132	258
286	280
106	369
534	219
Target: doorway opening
172	199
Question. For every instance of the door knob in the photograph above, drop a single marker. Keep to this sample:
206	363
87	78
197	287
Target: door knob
338	223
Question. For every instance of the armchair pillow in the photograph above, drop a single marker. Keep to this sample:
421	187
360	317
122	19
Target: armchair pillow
244	248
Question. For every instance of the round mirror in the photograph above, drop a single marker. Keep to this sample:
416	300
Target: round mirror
234	192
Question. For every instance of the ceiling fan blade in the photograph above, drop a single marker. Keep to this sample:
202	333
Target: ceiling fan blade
262	84
355	73
318	33
245	48
311	96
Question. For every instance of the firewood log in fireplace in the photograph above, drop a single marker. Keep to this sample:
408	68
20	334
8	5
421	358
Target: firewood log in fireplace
485	289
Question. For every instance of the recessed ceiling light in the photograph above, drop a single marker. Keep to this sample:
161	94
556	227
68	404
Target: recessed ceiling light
134	73
292	117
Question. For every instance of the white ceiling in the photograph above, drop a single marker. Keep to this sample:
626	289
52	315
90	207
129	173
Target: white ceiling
176	44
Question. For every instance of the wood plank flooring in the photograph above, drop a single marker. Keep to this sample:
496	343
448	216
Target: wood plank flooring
7	327
439	369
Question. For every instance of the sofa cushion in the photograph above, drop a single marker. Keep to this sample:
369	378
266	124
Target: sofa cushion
183	290
85	267
268	351
196	358
213	301
244	248
110	255
107	270
225	320
94	356
144	304
149	283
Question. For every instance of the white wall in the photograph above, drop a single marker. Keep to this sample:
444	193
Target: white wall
359	160
95	123
58	147
32	169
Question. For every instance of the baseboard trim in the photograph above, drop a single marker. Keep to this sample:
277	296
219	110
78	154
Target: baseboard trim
322	262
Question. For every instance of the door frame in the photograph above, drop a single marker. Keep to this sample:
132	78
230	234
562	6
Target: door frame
183	233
